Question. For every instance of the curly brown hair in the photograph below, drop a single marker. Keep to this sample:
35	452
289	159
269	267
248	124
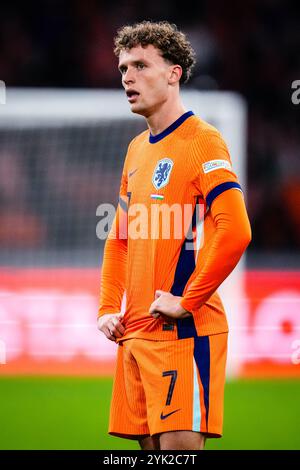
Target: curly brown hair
163	35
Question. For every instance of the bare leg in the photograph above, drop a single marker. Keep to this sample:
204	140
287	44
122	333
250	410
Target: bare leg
182	440
149	443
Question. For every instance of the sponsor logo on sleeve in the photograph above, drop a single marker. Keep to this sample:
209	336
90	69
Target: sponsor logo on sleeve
216	165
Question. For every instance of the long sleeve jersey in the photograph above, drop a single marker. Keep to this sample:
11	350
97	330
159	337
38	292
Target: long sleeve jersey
181	226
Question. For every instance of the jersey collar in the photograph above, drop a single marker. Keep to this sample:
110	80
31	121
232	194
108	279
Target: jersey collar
156	138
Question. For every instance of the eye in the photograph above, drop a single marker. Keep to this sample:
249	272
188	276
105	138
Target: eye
140	65
122	70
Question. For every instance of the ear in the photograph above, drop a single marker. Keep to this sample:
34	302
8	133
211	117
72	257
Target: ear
175	74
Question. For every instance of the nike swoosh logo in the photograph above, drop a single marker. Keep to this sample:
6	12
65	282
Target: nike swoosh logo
132	172
162	416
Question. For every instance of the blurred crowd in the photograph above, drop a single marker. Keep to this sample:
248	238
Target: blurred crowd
252	47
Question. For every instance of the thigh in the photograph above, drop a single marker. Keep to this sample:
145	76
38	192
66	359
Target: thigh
184	382
166	369
128	414
182	440
149	443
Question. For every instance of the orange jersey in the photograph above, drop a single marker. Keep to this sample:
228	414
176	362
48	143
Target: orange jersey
186	164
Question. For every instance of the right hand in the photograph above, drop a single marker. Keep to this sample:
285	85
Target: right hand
111	325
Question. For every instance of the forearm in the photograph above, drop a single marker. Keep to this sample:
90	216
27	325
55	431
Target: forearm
231	238
114	266
113	276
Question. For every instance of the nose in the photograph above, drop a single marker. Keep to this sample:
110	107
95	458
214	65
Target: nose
128	76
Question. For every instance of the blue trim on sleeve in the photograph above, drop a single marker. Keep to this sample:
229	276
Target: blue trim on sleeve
219	190
156	138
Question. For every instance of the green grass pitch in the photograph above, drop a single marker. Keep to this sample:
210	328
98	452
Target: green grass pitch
72	413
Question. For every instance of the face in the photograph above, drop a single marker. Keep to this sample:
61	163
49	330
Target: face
146	77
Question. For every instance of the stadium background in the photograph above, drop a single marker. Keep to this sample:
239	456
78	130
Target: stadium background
54	389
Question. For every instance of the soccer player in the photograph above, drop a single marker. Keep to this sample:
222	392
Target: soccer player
172	340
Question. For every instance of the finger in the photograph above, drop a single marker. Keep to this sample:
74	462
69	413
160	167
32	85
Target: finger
161	314
155	315
103	321
116	325
158	293
111	338
108	333
115	332
154	312
116	328
120	316
119	328
153	307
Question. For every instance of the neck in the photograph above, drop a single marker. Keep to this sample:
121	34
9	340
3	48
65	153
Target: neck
163	117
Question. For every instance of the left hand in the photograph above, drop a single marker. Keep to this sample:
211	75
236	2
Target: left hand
168	305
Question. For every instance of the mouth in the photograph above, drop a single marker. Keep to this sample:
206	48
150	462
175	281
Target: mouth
132	95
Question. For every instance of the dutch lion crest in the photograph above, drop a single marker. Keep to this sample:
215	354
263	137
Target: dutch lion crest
162	173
